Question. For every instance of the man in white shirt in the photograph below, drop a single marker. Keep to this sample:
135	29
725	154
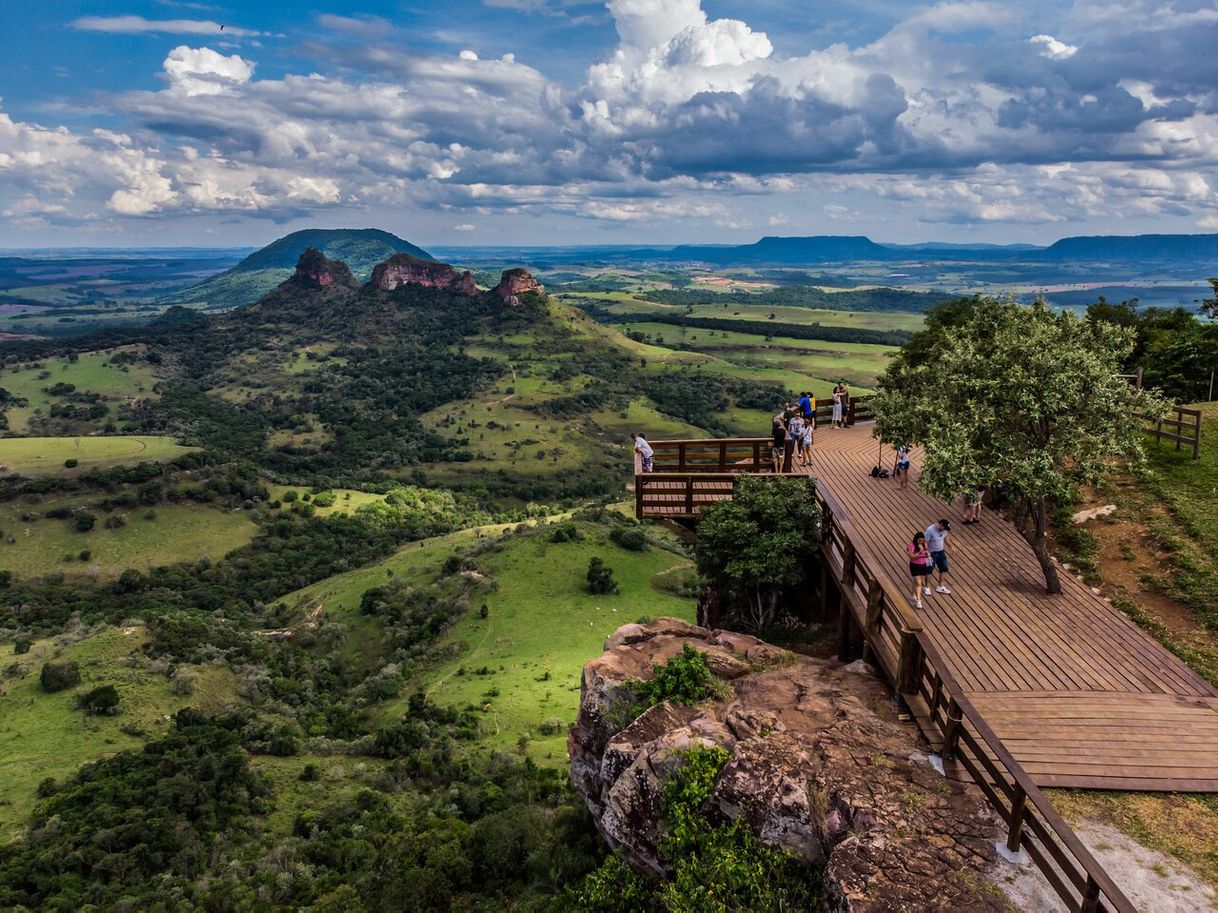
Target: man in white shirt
936	540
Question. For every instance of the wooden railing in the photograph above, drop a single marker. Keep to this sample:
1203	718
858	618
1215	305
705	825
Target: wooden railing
896	641
1187	429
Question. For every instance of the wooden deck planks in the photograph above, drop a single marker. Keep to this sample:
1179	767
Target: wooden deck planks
1078	693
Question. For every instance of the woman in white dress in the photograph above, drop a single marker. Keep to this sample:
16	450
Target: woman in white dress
837	406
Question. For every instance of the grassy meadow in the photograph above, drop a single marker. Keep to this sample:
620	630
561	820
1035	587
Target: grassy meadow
91	372
45	736
541	628
166	534
45	456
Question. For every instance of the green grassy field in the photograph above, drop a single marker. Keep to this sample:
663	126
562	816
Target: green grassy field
627	303
45	736
45	456
177	532
540	623
90	373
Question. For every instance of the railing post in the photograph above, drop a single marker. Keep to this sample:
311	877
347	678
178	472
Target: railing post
681	457
1091	897
875	608
951	729
909	667
689	492
848	559
1019	805
638	495
723	456
756	456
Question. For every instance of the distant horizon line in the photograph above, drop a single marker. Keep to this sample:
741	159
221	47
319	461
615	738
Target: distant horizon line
665	245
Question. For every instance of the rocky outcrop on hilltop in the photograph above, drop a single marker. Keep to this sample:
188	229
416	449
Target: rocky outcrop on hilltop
819	766
315	270
514	283
403	269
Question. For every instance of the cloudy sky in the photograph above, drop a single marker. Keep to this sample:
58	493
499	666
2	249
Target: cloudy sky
143	122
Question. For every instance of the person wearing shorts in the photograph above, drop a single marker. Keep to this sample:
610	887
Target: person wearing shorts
936	542
920	566
902	466
779	444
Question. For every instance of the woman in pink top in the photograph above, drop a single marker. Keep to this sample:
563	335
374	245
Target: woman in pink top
920	565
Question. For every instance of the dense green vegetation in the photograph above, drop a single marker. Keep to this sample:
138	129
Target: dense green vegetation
1176	350
716	867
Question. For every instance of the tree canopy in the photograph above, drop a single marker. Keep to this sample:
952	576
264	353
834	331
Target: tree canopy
1019	397
759	544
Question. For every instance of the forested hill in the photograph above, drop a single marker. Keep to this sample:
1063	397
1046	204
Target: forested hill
359	248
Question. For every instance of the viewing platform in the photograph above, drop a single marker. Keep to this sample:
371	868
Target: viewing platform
1016	688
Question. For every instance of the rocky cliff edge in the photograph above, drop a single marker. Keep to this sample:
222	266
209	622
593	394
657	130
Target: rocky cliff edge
819	766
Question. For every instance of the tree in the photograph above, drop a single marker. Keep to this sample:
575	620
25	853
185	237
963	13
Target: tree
1209	306
600	577
56	676
758	545
1020	397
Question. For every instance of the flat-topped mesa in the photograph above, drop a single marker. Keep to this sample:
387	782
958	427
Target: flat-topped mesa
403	269
516	282
315	270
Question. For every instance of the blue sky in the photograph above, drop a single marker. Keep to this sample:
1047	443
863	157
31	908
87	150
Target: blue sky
630	121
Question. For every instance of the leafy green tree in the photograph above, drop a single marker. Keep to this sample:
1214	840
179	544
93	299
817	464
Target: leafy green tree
1209	306
1020	397
600	577
760	544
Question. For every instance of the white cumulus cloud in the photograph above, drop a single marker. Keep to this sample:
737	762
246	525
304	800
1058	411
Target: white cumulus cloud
202	71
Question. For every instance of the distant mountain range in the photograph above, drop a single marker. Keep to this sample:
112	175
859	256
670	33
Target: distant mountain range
263	270
844	248
825	249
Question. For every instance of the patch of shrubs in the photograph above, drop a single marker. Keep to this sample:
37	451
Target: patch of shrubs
630	538
99	700
567	532
56	676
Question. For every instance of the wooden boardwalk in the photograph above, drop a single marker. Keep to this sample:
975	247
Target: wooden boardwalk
1078	694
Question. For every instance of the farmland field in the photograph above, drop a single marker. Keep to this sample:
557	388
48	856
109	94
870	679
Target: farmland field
43	456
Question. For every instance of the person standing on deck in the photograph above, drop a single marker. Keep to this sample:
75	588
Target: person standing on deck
920	566
837	406
808	407
779	444
806	452
795	428
972	506
902	466
644	450
936	541
845	403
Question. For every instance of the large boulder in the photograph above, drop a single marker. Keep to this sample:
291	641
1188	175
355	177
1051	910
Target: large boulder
514	283
315	270
819	765
403	269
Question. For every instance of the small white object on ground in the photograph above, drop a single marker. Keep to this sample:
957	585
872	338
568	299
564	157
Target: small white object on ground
858	667
1084	515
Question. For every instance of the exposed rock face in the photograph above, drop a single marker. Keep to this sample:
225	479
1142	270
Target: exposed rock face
315	270
815	768
516	282
403	269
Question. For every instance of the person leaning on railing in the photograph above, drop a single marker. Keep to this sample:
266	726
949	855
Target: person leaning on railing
643	449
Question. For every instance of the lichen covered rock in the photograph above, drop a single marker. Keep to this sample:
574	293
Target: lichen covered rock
819	766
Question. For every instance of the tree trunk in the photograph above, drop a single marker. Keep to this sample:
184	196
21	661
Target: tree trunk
1032	519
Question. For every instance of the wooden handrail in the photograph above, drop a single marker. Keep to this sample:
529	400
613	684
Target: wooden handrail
936	683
